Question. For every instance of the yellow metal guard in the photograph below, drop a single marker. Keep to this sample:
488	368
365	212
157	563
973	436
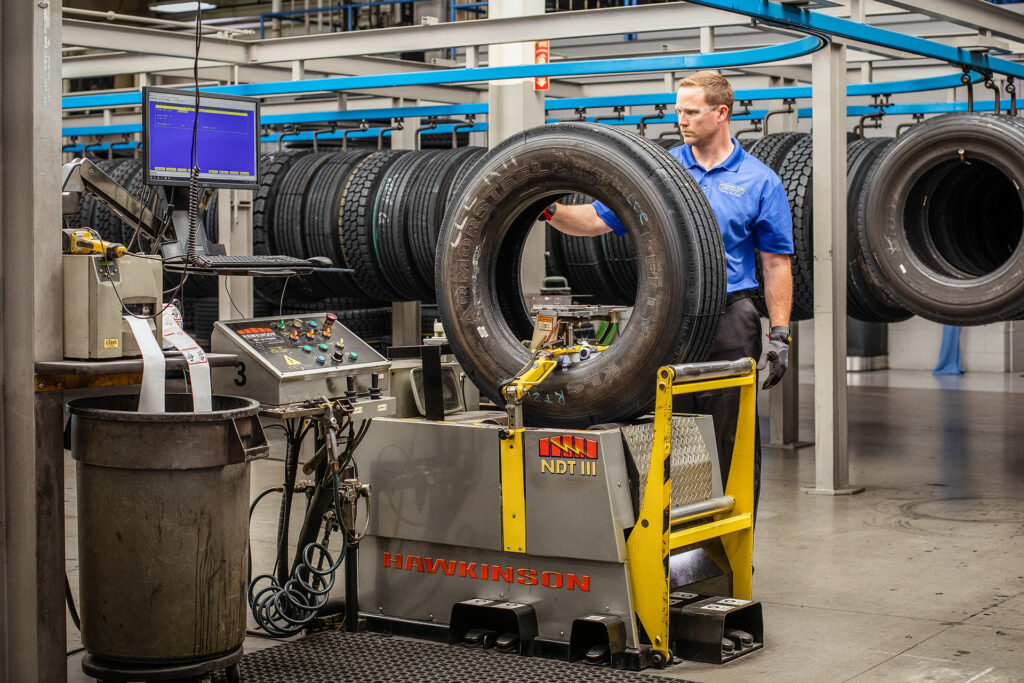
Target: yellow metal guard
513	493
652	541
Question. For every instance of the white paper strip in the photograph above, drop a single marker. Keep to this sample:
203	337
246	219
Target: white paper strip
151	398
198	365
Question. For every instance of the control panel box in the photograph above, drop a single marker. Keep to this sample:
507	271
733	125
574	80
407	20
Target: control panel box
292	359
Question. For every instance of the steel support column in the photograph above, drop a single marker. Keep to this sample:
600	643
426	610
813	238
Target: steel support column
234	230
784	403
515	106
829	160
32	622
406	325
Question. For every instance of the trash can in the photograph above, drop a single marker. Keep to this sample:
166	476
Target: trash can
163	536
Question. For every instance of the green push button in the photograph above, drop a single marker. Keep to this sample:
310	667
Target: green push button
353	355
307	348
324	347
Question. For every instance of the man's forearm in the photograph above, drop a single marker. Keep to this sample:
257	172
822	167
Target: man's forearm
778	287
578	219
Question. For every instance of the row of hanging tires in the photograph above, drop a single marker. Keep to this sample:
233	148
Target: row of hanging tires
934	225
375	213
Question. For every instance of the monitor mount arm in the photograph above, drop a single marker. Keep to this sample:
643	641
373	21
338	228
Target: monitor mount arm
82	175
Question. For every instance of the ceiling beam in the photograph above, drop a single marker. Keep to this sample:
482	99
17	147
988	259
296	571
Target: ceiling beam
974	14
149	41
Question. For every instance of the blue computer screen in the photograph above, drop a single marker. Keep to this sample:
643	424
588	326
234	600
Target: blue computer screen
227	139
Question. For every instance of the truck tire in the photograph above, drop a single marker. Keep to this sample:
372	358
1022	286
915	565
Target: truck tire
865	300
680	259
947	256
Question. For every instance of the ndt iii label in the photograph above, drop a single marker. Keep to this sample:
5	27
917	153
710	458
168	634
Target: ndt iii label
568	455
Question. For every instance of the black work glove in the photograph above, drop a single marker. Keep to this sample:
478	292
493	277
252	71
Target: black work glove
548	213
777	355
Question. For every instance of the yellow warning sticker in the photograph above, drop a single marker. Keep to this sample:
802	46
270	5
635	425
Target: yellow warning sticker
291	361
111	343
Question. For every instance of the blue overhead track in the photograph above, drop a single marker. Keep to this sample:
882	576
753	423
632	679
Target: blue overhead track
715	60
788	16
571	103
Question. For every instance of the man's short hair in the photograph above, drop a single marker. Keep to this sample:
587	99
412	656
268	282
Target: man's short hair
717	90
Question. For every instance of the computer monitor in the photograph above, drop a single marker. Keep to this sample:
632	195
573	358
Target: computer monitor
227	138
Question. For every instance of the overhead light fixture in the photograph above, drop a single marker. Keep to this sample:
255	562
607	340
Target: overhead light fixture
179	7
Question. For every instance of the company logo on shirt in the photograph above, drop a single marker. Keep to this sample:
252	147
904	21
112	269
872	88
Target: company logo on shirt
734	190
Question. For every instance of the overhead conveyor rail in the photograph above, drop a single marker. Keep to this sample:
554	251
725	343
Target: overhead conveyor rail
654	99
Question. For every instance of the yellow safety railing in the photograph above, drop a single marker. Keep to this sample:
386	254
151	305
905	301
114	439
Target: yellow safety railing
652	540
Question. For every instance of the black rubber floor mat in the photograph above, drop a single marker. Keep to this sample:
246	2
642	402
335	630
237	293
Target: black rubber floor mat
339	657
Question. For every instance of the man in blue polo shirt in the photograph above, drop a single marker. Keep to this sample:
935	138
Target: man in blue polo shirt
750	205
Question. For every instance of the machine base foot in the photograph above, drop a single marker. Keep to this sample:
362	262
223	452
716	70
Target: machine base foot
848	491
790	446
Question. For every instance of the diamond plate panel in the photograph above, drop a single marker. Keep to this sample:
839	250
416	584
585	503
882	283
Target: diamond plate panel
691	463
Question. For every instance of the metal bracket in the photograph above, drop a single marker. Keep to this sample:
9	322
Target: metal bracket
282	136
82	175
363	127
318	133
380	135
660	109
619	115
429	125
917	119
581	115
991	85
788	109
966	80
470	122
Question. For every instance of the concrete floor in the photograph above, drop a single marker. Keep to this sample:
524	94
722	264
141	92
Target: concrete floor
919	578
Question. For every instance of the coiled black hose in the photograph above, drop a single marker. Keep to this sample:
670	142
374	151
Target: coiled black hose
284	610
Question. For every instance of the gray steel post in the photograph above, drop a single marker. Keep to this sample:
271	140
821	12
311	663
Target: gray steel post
234	220
32	622
515	106
784	403
829	159
405	315
405	323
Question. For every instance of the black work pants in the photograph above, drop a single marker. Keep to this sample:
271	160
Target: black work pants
739	336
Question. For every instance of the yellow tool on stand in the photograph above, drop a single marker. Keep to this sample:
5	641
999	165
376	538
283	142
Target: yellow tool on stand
88	241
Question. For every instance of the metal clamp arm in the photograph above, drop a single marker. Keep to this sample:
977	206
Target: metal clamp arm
515	389
82	175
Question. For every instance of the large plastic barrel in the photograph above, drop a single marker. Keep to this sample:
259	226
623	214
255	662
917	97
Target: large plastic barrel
163	535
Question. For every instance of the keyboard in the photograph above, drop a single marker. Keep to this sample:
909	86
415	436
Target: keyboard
257	261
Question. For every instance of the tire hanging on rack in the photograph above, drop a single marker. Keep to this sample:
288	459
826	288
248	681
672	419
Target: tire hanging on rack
273	169
322	230
681	283
864	301
358	220
772	151
945	255
391	226
427	202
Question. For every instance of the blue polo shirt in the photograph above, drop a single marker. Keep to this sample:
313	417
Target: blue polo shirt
750	204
